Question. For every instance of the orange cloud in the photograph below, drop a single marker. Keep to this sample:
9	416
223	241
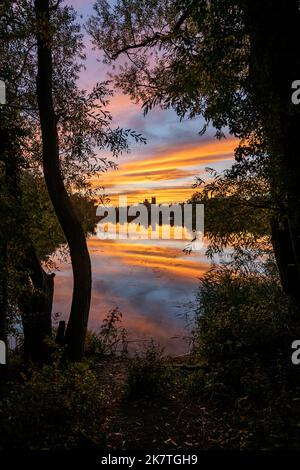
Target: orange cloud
137	177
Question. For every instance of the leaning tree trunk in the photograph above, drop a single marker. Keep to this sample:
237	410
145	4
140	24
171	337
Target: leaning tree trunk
68	219
284	69
274	31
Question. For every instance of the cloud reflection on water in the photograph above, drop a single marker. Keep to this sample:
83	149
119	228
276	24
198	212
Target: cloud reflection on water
152	282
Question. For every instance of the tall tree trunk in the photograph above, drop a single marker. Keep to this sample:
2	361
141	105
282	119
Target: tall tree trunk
77	325
284	69
274	30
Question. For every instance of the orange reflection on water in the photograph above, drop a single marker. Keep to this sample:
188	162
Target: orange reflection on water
151	281
161	258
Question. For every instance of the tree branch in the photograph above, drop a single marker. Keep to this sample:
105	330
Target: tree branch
151	41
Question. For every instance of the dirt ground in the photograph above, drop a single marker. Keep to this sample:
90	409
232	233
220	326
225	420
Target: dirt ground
171	423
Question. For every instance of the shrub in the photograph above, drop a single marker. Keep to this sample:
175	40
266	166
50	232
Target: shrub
244	330
149	375
53	408
241	314
110	338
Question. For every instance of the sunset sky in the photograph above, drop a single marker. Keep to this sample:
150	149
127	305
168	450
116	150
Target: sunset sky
174	154
153	282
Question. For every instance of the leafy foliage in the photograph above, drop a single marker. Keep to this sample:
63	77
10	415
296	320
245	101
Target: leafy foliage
198	57
53	408
110	338
244	331
149	376
191	56
238	208
84	123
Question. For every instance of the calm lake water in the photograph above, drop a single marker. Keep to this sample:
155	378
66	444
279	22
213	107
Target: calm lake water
153	282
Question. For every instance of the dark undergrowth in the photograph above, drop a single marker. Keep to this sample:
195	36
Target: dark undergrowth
238	389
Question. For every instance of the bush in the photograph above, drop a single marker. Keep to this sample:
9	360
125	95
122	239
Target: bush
110	338
53	408
242	315
149	375
244	331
